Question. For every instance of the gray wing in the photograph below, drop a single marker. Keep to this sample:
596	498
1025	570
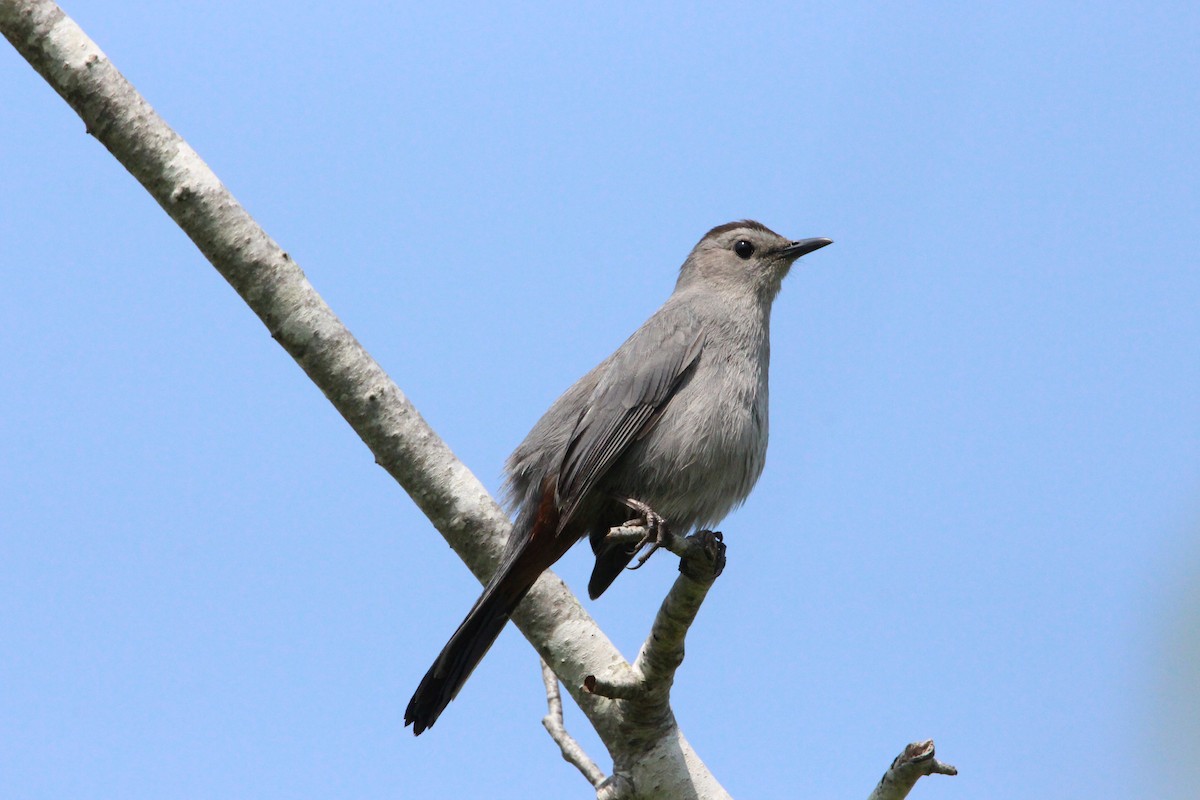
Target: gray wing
640	379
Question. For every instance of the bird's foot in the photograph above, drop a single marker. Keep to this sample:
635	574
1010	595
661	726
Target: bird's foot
703	556
656	533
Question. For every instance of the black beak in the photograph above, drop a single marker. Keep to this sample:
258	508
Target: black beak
804	247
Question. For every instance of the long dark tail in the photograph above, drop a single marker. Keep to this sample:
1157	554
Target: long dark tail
527	556
465	649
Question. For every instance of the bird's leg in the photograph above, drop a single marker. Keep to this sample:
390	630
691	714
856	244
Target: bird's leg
656	535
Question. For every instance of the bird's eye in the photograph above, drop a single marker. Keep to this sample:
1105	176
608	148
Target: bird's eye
743	248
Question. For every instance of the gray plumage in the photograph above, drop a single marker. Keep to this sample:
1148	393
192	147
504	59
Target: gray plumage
676	418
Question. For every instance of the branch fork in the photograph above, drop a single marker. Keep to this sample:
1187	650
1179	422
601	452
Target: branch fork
639	694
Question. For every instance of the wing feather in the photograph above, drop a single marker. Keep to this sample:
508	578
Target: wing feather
638	383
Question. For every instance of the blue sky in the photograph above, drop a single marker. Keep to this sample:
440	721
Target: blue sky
979	514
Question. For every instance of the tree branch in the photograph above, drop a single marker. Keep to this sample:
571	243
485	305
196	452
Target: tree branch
910	766
572	752
702	558
643	695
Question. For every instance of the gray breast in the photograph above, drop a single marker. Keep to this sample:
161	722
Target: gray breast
709	447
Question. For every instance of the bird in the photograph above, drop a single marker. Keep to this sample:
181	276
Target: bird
673	424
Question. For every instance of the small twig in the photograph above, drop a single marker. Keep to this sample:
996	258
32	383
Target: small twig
914	763
626	534
572	752
628	687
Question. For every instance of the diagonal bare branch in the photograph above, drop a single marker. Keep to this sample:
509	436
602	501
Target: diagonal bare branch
402	442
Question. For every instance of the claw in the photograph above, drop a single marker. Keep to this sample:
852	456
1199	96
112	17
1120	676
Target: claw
642	559
706	562
656	530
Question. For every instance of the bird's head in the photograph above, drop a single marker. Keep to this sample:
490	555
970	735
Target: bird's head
744	256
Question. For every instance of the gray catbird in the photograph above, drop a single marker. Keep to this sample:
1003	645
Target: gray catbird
674	422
